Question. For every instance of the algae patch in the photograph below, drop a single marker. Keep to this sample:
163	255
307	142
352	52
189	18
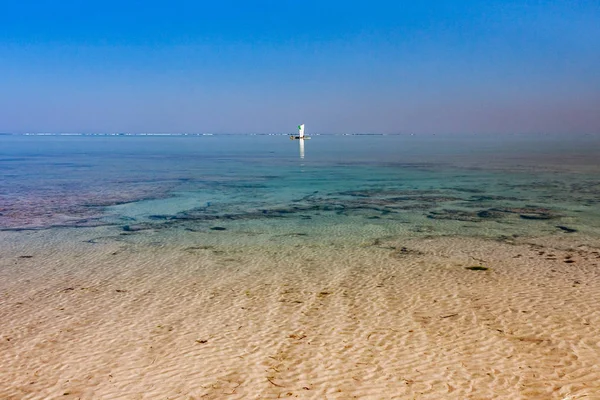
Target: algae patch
477	268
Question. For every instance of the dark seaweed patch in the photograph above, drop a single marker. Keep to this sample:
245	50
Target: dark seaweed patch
456	215
135	228
566	229
477	268
191	248
490	214
467	190
492	198
540	216
159	217
529	212
405	252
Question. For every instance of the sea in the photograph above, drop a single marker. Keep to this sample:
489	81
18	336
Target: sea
346	188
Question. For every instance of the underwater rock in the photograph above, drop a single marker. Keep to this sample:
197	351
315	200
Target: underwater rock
360	202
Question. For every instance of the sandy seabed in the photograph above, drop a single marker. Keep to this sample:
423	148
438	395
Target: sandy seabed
387	319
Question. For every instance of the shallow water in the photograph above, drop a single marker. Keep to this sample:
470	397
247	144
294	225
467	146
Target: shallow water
343	187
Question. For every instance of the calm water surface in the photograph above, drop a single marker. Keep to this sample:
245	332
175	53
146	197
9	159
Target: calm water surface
341	186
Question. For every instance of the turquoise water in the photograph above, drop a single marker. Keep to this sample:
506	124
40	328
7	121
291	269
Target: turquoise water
342	187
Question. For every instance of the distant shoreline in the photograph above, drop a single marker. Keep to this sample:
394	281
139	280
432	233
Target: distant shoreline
198	134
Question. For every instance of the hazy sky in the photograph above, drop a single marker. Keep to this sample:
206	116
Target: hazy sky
265	66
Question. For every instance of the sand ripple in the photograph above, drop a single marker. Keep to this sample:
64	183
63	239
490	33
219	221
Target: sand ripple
391	319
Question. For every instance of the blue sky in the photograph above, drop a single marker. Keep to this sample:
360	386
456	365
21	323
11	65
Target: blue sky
264	66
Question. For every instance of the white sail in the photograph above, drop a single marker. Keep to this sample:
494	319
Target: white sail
301	131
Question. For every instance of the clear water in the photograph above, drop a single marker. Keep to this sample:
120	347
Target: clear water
344	187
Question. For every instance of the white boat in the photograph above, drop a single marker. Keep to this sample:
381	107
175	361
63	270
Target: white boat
300	134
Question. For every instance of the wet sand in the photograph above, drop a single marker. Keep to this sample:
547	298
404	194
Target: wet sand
391	318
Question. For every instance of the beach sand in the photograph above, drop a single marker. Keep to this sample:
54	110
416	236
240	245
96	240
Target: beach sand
389	318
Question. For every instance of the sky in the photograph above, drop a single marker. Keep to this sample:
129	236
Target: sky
239	66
